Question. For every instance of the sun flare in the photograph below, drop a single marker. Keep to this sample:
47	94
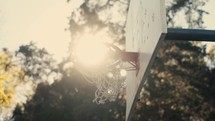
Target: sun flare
90	50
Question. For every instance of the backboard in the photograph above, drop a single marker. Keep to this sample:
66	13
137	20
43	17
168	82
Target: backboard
145	29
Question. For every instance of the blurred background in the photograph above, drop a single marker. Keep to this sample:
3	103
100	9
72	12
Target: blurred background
38	82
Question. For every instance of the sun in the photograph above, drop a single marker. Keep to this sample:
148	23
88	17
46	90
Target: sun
90	50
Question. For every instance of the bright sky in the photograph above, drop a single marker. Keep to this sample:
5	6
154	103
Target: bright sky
45	21
209	19
180	19
41	21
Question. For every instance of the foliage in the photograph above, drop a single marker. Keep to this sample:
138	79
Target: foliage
11	79
69	99
20	73
98	15
38	64
10	76
192	9
178	87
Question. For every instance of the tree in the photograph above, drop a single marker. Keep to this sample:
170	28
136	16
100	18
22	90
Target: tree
98	15
193	12
38	64
20	73
68	99
12	79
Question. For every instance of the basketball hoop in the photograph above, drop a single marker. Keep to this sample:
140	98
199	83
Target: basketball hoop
109	76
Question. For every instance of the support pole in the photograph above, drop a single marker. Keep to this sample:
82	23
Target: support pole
190	35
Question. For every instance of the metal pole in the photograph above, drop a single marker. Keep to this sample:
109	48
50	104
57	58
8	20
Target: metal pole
190	35
173	34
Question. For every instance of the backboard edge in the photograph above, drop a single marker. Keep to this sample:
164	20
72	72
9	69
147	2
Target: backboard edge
162	37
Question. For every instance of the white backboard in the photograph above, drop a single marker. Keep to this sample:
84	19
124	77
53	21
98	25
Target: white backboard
145	29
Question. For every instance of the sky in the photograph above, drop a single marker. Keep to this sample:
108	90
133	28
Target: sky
41	21
45	21
209	19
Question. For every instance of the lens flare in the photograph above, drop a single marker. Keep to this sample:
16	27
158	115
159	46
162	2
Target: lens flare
90	50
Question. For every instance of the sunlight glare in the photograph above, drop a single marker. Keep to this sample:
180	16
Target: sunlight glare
90	50
123	72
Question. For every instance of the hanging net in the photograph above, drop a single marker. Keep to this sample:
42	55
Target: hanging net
108	77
